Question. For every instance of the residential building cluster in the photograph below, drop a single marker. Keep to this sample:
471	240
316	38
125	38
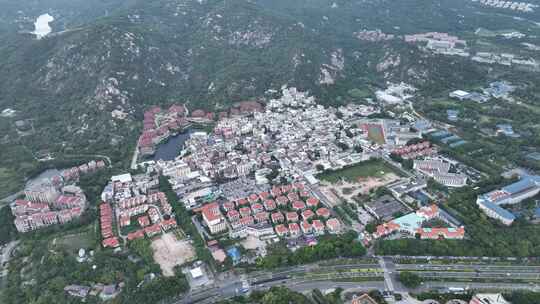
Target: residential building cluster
492	203
158	125
439	170
48	204
440	43
511	5
497	89
104	292
413	151
488	298
395	94
373	35
72	174
504	59
292	131
134	209
285	211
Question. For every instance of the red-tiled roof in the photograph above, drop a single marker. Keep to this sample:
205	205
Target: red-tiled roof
110	242
261	216
386	228
333	224
228	206
317	225
245	210
307	214
428	212
233	214
152	229
211	212
270	204
294	227
241	202
264	195
282	200
277	216
312	202
281	229
298	205
323	212
293	197
306	226
292	216
253	198
135	235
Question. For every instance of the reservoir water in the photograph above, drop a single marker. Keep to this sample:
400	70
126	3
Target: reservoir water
171	149
42	27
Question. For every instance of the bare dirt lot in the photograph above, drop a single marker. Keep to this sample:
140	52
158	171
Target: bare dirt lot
170	252
362	185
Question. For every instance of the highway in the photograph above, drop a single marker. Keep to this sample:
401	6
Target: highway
382	276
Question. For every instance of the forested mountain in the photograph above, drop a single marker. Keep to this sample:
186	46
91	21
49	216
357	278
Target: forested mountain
106	55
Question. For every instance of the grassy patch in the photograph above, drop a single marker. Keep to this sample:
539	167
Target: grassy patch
370	168
73	242
360	279
10	182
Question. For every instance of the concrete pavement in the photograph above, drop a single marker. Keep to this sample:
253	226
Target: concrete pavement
307	277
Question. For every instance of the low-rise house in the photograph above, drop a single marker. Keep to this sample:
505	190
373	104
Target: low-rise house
294	229
270	205
233	215
312	202
292	217
253	198
318	227
152	230
77	290
256	208
333	225
111	242
228	206
168	224
261	217
281	230
139	234
298	205
282	200
277	217
323	212
306	227
293	197
124	220
245	211
241	202
307	214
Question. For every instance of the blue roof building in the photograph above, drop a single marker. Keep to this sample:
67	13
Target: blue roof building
507	130
490	202
452	115
235	255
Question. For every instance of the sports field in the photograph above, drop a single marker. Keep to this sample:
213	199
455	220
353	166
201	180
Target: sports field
370	168
376	133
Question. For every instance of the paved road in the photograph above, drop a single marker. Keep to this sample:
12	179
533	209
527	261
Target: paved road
6	255
308	277
10	198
